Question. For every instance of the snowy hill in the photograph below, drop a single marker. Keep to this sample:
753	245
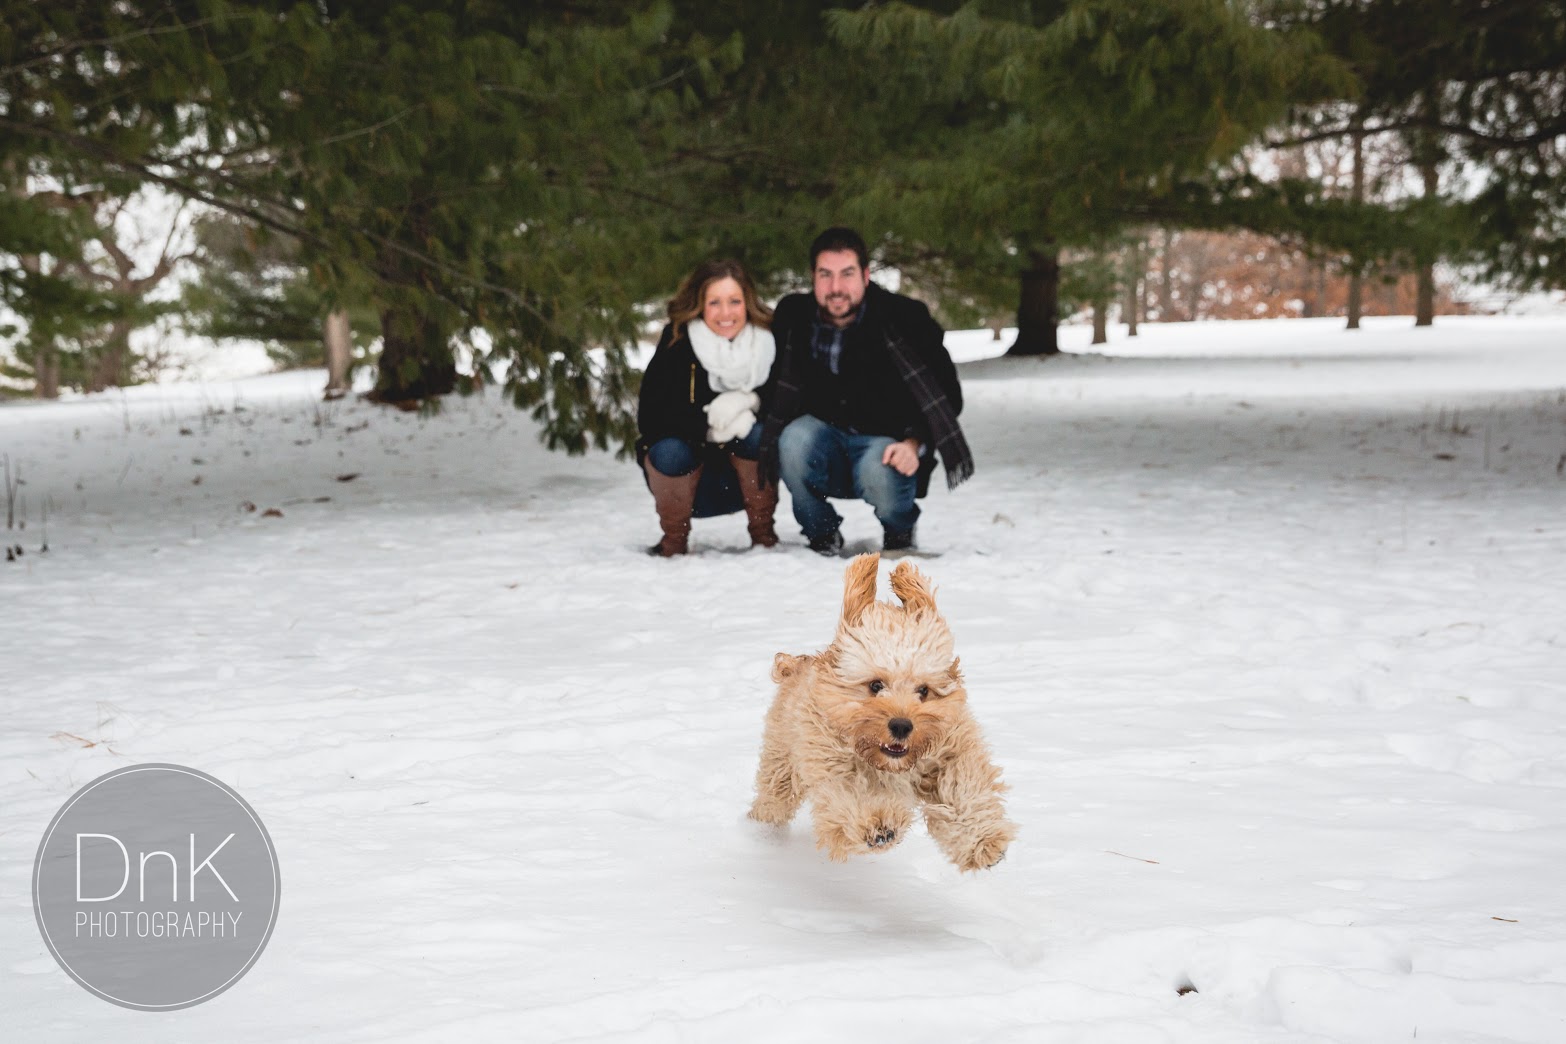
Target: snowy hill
1264	622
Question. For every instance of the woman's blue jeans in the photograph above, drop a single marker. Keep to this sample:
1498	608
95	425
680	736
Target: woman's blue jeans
718	492
675	457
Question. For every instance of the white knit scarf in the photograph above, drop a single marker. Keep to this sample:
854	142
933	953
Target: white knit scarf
738	365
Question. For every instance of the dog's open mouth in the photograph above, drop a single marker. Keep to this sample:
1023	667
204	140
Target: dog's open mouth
894	750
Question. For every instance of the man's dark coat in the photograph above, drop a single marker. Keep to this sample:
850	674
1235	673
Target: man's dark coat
868	395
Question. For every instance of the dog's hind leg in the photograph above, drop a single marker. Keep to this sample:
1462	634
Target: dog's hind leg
778	788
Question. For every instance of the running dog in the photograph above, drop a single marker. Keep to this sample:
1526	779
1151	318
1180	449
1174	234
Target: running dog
876	725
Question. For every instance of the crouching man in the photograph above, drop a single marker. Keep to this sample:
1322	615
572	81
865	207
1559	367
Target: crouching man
866	398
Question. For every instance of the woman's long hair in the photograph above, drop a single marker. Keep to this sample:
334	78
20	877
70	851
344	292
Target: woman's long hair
687	302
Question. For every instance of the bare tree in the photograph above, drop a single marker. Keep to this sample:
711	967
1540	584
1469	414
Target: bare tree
117	266
1427	153
338	337
1166	278
1356	304
1133	288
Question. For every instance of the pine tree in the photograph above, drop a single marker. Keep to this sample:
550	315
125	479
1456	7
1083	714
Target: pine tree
96	101
1472	88
1068	122
498	172
463	166
38	245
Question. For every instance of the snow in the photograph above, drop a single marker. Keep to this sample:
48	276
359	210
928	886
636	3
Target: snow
1264	622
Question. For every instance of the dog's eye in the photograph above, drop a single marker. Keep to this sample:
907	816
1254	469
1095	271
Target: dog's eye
924	692
876	686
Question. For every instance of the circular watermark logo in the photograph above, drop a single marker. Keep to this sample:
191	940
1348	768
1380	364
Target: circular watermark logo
156	887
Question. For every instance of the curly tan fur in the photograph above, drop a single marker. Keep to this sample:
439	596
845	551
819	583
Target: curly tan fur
852	731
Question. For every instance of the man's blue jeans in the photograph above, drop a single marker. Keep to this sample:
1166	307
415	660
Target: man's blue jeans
819	461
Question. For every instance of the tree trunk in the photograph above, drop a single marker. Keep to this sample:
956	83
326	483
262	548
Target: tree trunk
338	338
109	370
416	360
1166	280
46	358
1356	288
1424	306
46	374
1100	322
1426	156
1133	287
1038	312
1197	280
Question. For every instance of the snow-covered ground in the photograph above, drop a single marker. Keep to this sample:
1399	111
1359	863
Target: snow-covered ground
1266	623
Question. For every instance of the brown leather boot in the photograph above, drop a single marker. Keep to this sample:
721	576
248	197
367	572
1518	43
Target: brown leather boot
673	497
759	503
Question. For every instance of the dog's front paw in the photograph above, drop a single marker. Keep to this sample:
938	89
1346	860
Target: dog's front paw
885	828
861	831
987	853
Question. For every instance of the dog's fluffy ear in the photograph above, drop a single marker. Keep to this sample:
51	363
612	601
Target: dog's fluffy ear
955	670
786	666
859	587
913	588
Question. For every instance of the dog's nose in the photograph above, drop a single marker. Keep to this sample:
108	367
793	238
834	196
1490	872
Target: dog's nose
899	728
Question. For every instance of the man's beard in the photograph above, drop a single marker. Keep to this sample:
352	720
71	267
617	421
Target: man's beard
834	301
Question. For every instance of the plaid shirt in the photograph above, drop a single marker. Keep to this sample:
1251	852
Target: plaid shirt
826	339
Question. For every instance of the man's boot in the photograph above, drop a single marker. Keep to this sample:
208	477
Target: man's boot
673	497
827	545
760	504
895	543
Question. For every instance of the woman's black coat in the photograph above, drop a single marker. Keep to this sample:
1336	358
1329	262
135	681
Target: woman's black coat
675	393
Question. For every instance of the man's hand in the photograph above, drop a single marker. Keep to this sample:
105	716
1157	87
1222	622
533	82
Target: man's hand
904	456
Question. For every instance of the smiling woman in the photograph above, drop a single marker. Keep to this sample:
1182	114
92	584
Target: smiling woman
701	396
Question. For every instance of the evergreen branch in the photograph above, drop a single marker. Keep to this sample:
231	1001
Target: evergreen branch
539	96
200	195
1461	130
90	198
96	150
648	197
107	42
187	189
265	151
371	129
